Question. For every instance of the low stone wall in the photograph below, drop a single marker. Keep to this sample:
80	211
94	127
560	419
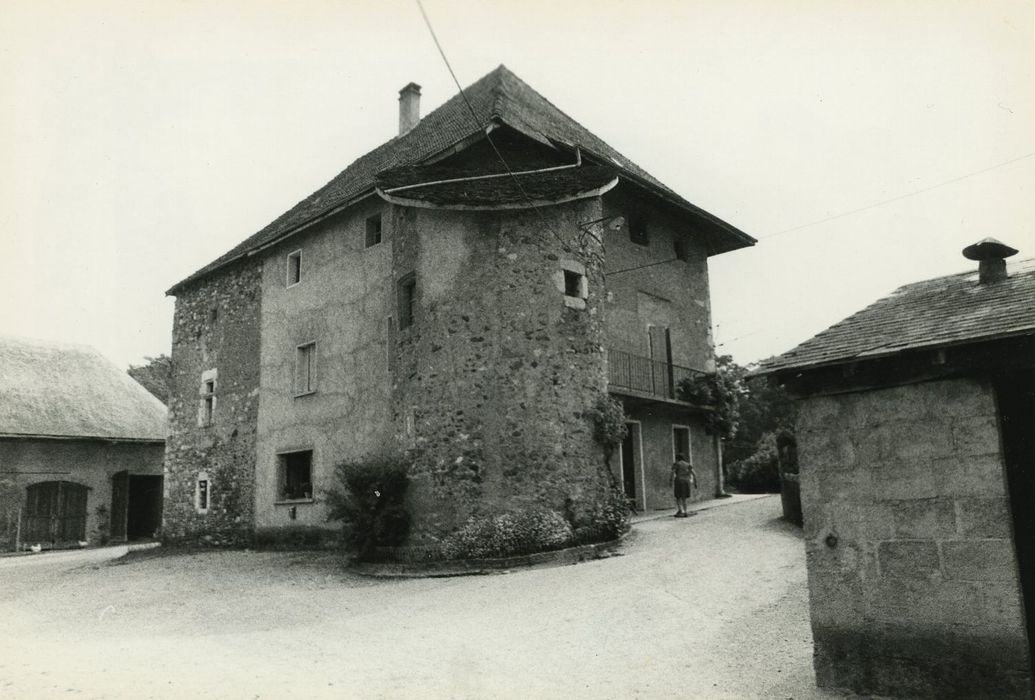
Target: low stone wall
912	573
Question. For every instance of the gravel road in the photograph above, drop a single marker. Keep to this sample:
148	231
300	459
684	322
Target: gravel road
713	606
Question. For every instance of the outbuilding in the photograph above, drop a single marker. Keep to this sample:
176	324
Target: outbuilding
81	448
916	445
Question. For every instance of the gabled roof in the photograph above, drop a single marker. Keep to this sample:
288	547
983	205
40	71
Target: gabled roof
52	389
499	98
944	311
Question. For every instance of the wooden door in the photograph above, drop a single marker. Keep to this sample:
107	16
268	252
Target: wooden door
55	513
660	340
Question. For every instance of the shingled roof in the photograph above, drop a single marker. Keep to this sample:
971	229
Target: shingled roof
944	311
498	98
52	389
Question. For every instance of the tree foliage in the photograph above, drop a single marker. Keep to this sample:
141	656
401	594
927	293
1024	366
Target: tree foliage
155	376
766	412
723	391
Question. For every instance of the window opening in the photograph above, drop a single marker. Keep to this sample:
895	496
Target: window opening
202	493
638	229
407	301
572	284
294	268
373	230
305	369
296	475
679	245
208	401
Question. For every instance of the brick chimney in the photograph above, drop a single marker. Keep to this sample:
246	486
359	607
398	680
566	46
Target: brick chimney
409	107
991	256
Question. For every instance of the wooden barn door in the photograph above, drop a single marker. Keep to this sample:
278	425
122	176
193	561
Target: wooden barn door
55	513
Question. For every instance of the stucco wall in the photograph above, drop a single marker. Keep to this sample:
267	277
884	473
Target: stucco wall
343	303
495	374
215	327
912	572
654	490
673	294
24	462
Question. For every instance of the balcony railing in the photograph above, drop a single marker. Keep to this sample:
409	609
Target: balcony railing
644	375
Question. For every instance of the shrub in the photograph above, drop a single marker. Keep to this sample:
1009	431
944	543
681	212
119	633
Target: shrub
509	534
759	473
608	520
608	418
370	501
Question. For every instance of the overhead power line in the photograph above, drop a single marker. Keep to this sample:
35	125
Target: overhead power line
895	199
477	121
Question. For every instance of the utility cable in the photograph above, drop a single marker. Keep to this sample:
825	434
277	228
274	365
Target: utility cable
895	199
488	137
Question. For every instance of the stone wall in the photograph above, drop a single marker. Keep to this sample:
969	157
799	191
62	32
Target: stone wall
215	327
493	379
912	572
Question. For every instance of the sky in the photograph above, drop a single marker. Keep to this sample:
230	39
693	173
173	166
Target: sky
863	144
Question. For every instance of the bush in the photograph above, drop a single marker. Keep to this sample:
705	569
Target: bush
759	473
608	416
509	534
371	503
608	520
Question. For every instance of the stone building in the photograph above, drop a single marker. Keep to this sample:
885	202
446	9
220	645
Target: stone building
463	293
916	450
81	448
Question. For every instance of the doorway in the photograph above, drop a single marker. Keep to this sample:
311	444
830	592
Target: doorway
55	514
632	465
144	511
136	506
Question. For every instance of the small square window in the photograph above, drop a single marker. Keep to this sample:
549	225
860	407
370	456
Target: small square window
294	268
573	284
295	475
638	229
305	369
407	301
373	230
202	493
680	249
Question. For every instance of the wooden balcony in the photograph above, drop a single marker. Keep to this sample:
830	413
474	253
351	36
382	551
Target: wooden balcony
644	378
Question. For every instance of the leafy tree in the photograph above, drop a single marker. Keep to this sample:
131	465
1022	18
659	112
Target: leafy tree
764	408
155	376
766	412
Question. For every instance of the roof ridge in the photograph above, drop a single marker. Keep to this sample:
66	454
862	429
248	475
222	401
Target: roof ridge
498	94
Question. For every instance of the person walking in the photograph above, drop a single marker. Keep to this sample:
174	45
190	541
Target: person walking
684	480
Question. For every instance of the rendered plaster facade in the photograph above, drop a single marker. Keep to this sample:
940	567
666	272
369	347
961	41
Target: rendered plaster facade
344	304
89	463
912	570
663	293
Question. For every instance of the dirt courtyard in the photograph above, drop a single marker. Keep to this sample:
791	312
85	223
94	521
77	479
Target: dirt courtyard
713	606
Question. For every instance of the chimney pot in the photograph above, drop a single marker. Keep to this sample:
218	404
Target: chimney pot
409	107
991	256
